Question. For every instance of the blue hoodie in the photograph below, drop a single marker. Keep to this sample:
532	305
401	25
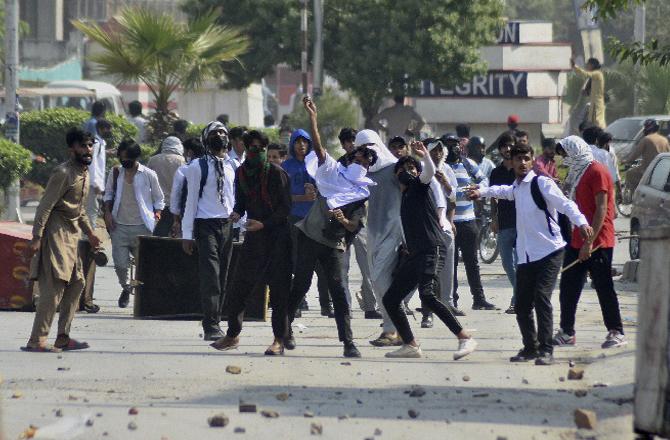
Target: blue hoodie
297	173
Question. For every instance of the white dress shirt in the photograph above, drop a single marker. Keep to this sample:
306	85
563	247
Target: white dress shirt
534	240
96	170
148	193
177	186
209	206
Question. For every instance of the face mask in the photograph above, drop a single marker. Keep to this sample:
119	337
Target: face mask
256	158
127	164
405	178
217	143
354	172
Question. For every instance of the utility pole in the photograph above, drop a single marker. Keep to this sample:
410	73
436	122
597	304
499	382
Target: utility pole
12	202
317	59
640	36
303	54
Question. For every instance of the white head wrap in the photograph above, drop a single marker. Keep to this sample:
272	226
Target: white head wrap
172	145
384	156
578	160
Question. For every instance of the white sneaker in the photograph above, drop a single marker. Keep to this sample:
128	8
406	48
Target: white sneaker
406	351
465	347
614	339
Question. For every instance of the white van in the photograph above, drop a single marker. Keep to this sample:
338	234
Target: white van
103	91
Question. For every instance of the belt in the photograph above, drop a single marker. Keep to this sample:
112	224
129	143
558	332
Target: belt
220	221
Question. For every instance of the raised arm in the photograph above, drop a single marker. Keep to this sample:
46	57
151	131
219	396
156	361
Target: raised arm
316	139
428	167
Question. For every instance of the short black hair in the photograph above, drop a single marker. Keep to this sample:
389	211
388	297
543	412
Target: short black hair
180	125
249	136
347	134
132	149
98	109
399	99
103	123
463	130
548	143
237	132
135	108
195	146
604	138
521	133
591	134
505	139
398	140
521	149
283	149
77	136
403	160
594	62
223	118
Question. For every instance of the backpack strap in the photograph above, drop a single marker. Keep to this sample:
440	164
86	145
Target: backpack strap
204	171
115	182
541	203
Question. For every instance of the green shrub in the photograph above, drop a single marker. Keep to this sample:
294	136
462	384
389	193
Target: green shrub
43	132
15	162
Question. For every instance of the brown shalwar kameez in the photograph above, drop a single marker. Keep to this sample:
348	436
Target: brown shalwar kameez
59	220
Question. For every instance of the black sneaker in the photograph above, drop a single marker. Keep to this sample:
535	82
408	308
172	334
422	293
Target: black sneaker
427	321
304	305
289	342
93	308
350	350
298	314
483	305
373	314
328	311
213	334
544	359
524	355
124	299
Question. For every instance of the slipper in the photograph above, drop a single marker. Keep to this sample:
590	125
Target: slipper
43	349
73	344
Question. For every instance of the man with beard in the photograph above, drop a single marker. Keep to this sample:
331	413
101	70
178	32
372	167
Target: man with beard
59	221
209	204
262	191
133	204
467	174
331	223
503	221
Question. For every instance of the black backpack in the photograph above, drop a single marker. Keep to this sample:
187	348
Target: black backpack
563	222
204	171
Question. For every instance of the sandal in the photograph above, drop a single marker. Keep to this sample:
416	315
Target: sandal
226	343
73	344
276	349
42	349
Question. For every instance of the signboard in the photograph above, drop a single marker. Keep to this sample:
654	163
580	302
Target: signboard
509	34
491	85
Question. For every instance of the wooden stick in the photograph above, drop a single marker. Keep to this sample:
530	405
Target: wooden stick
576	262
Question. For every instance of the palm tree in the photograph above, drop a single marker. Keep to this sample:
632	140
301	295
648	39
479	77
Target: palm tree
144	46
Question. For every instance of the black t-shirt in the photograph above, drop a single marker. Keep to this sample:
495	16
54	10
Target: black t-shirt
420	221
506	211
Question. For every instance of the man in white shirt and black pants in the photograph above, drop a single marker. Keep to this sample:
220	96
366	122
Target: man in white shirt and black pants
209	204
539	248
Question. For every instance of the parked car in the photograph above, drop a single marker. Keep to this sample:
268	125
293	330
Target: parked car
103	91
628	131
651	201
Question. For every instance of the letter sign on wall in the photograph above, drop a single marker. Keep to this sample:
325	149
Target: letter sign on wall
491	85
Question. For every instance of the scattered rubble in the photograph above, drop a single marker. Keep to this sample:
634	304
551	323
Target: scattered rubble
585	419
218	421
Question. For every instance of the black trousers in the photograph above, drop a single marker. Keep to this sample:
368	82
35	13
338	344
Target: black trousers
321	280
164	225
535	283
572	283
466	242
265	259
213	237
309	254
423	270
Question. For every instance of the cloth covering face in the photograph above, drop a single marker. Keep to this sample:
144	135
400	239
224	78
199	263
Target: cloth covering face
579	158
384	156
340	185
